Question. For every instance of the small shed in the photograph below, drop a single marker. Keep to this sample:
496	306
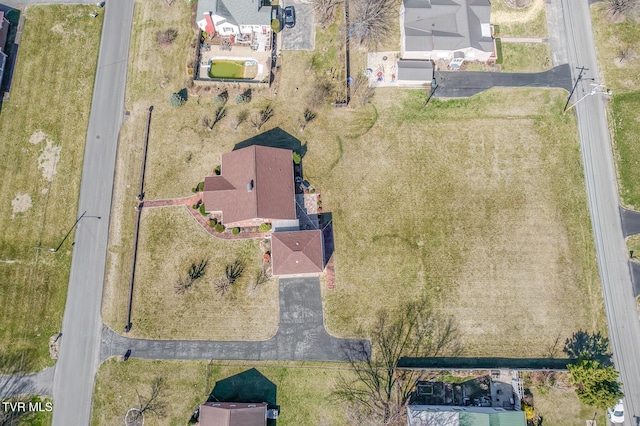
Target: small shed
415	73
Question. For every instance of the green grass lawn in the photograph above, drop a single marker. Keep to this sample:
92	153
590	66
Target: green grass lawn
530	21
617	47
558	403
243	313
302	390
226	68
526	57
43	129
478	203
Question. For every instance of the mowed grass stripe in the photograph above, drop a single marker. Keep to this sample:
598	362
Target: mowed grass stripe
51	94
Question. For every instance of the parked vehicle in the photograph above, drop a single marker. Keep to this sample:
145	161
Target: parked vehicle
616	414
289	16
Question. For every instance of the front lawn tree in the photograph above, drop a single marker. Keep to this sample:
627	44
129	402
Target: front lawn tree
621	8
232	272
380	391
154	404
371	21
195	272
177	99
596	384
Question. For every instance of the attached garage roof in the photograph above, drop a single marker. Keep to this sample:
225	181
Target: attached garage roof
297	252
233	414
418	71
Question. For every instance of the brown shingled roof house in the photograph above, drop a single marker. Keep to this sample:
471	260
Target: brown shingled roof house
255	186
297	252
232	414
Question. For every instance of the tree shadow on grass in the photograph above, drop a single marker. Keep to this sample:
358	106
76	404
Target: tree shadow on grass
248	386
275	138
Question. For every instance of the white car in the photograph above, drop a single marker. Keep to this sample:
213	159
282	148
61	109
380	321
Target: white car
616	414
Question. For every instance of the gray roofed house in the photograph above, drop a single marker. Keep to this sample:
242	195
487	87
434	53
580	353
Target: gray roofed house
431	415
414	73
435	29
235	16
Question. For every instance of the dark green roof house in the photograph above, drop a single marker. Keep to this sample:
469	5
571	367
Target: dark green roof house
440	415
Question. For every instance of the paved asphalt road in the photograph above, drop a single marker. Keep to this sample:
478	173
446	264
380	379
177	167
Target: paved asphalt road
30	384
602	194
301	335
81	326
455	84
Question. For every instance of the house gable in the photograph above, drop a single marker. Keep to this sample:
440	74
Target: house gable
232	16
297	252
445	26
255	185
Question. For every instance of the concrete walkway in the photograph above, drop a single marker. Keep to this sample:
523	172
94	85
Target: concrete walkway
458	84
557	32
301	336
523	40
40	383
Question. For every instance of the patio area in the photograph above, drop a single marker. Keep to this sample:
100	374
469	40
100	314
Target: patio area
382	69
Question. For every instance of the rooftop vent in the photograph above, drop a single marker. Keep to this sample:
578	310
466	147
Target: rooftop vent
250	186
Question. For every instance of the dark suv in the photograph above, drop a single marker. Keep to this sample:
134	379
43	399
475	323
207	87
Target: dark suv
289	16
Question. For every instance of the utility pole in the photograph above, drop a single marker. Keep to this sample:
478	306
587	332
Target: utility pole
597	88
582	70
53	250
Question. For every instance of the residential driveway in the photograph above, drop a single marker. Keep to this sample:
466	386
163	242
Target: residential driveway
302	36
301	336
630	222
635	277
460	84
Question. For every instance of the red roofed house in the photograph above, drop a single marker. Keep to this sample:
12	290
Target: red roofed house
297	252
4	31
232	414
255	186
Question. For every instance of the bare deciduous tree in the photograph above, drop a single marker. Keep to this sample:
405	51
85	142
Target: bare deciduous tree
240	118
154	404
260	278
371	21
206	122
221	113
233	272
167	36
621	8
325	10
381	390
321	92
262	117
307	117
195	272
